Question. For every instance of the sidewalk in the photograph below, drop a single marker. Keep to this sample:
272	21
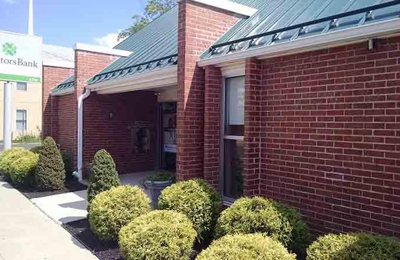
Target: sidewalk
28	234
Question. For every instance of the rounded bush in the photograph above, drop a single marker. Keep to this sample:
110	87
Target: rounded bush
259	215
111	210
7	158
356	246
22	169
249	247
50	172
159	235
103	174
197	200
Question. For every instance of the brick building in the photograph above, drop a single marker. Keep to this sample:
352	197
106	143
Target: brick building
293	100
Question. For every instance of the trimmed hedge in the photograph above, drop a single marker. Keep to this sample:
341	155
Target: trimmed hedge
249	247
197	200
159	235
7	158
50	172
111	210
103	174
259	215
22	169
36	149
356	246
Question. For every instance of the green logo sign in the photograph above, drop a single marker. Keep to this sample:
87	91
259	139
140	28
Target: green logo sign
9	49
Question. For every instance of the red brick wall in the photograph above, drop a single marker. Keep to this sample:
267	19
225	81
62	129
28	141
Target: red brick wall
52	76
212	118
252	127
199	27
87	64
330	136
64	123
114	134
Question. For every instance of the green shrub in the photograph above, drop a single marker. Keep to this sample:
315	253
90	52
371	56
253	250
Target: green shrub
103	174
249	247
22	169
50	172
36	149
111	210
7	158
259	215
197	200
159	235
357	246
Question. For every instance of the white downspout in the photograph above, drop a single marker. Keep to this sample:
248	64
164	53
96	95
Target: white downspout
80	131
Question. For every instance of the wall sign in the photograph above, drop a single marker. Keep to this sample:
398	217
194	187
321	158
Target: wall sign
20	57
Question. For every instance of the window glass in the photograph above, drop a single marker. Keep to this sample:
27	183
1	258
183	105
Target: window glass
233	144
21	120
233	178
22	86
234	107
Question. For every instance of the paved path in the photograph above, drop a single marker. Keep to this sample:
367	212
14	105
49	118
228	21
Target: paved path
68	207
28	234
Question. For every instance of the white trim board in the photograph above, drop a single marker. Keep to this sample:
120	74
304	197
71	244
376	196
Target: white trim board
102	50
321	41
158	78
59	64
229	6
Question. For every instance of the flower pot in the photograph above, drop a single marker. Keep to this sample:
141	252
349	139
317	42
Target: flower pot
155	188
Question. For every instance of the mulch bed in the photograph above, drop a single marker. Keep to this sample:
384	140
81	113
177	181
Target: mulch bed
33	193
80	229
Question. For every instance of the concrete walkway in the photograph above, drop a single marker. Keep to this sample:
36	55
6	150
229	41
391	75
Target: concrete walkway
68	207
28	234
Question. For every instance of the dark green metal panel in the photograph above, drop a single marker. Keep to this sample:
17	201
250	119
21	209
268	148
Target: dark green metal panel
157	40
275	15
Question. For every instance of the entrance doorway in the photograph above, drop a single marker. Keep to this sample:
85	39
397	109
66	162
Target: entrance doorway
168	117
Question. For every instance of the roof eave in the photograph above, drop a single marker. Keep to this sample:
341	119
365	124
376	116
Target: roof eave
145	81
63	92
316	42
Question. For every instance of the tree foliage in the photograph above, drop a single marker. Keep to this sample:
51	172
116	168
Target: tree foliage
153	10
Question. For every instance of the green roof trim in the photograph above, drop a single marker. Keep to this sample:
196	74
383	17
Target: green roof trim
279	21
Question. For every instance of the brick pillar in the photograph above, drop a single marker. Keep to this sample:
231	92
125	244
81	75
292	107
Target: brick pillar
199	27
52	76
87	65
212	119
252	119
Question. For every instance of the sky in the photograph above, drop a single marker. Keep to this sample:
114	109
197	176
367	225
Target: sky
65	22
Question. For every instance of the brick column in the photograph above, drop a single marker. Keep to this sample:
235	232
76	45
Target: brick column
252	122
199	27
212	118
52	76
87	65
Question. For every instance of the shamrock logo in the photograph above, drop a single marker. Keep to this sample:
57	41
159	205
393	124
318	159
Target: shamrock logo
9	49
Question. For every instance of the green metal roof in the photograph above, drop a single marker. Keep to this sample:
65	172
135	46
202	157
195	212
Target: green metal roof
66	84
153	47
279	21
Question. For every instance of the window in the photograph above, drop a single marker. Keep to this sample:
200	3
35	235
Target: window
21	120
232	137
22	86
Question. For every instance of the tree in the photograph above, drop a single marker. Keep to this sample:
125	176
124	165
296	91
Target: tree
153	10
50	172
103	175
